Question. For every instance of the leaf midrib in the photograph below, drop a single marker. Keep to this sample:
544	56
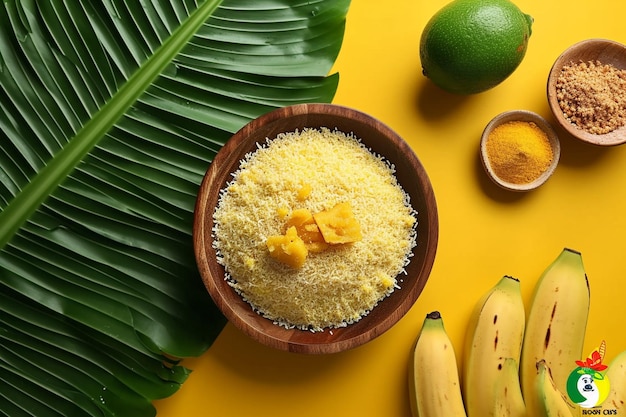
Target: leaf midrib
28	200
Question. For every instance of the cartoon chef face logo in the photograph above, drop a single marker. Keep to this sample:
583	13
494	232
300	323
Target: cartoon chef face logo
587	386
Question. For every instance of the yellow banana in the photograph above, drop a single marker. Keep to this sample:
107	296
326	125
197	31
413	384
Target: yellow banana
495	331
508	401
556	325
550	400
615	403
434	376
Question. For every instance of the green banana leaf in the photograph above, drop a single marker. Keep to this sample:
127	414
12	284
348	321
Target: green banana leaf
110	113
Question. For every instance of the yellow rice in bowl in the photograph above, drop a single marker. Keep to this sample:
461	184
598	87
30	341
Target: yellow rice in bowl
314	169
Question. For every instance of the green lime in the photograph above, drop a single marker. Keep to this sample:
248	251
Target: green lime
470	46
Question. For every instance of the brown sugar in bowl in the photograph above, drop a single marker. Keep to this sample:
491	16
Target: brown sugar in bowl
604	51
411	176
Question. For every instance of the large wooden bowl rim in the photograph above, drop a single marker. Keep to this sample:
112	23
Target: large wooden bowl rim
411	175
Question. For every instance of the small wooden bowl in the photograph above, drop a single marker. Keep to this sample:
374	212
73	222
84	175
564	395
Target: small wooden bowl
604	51
411	176
525	116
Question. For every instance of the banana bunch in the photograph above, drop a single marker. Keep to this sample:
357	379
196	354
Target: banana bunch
514	364
434	385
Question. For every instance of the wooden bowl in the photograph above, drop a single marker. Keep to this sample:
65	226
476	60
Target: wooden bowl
603	50
525	116
411	176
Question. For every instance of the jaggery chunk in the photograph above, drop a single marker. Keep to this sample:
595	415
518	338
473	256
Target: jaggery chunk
338	224
307	229
288	248
304	192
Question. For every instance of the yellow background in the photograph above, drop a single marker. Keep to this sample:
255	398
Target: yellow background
485	232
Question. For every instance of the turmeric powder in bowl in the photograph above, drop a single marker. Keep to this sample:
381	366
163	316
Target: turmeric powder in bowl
519	150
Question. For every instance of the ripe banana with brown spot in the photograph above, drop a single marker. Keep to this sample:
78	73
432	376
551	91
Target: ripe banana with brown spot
556	325
433	373
551	402
495	331
507	399
615	402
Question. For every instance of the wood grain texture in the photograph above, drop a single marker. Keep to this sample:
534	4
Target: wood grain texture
603	50
411	176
